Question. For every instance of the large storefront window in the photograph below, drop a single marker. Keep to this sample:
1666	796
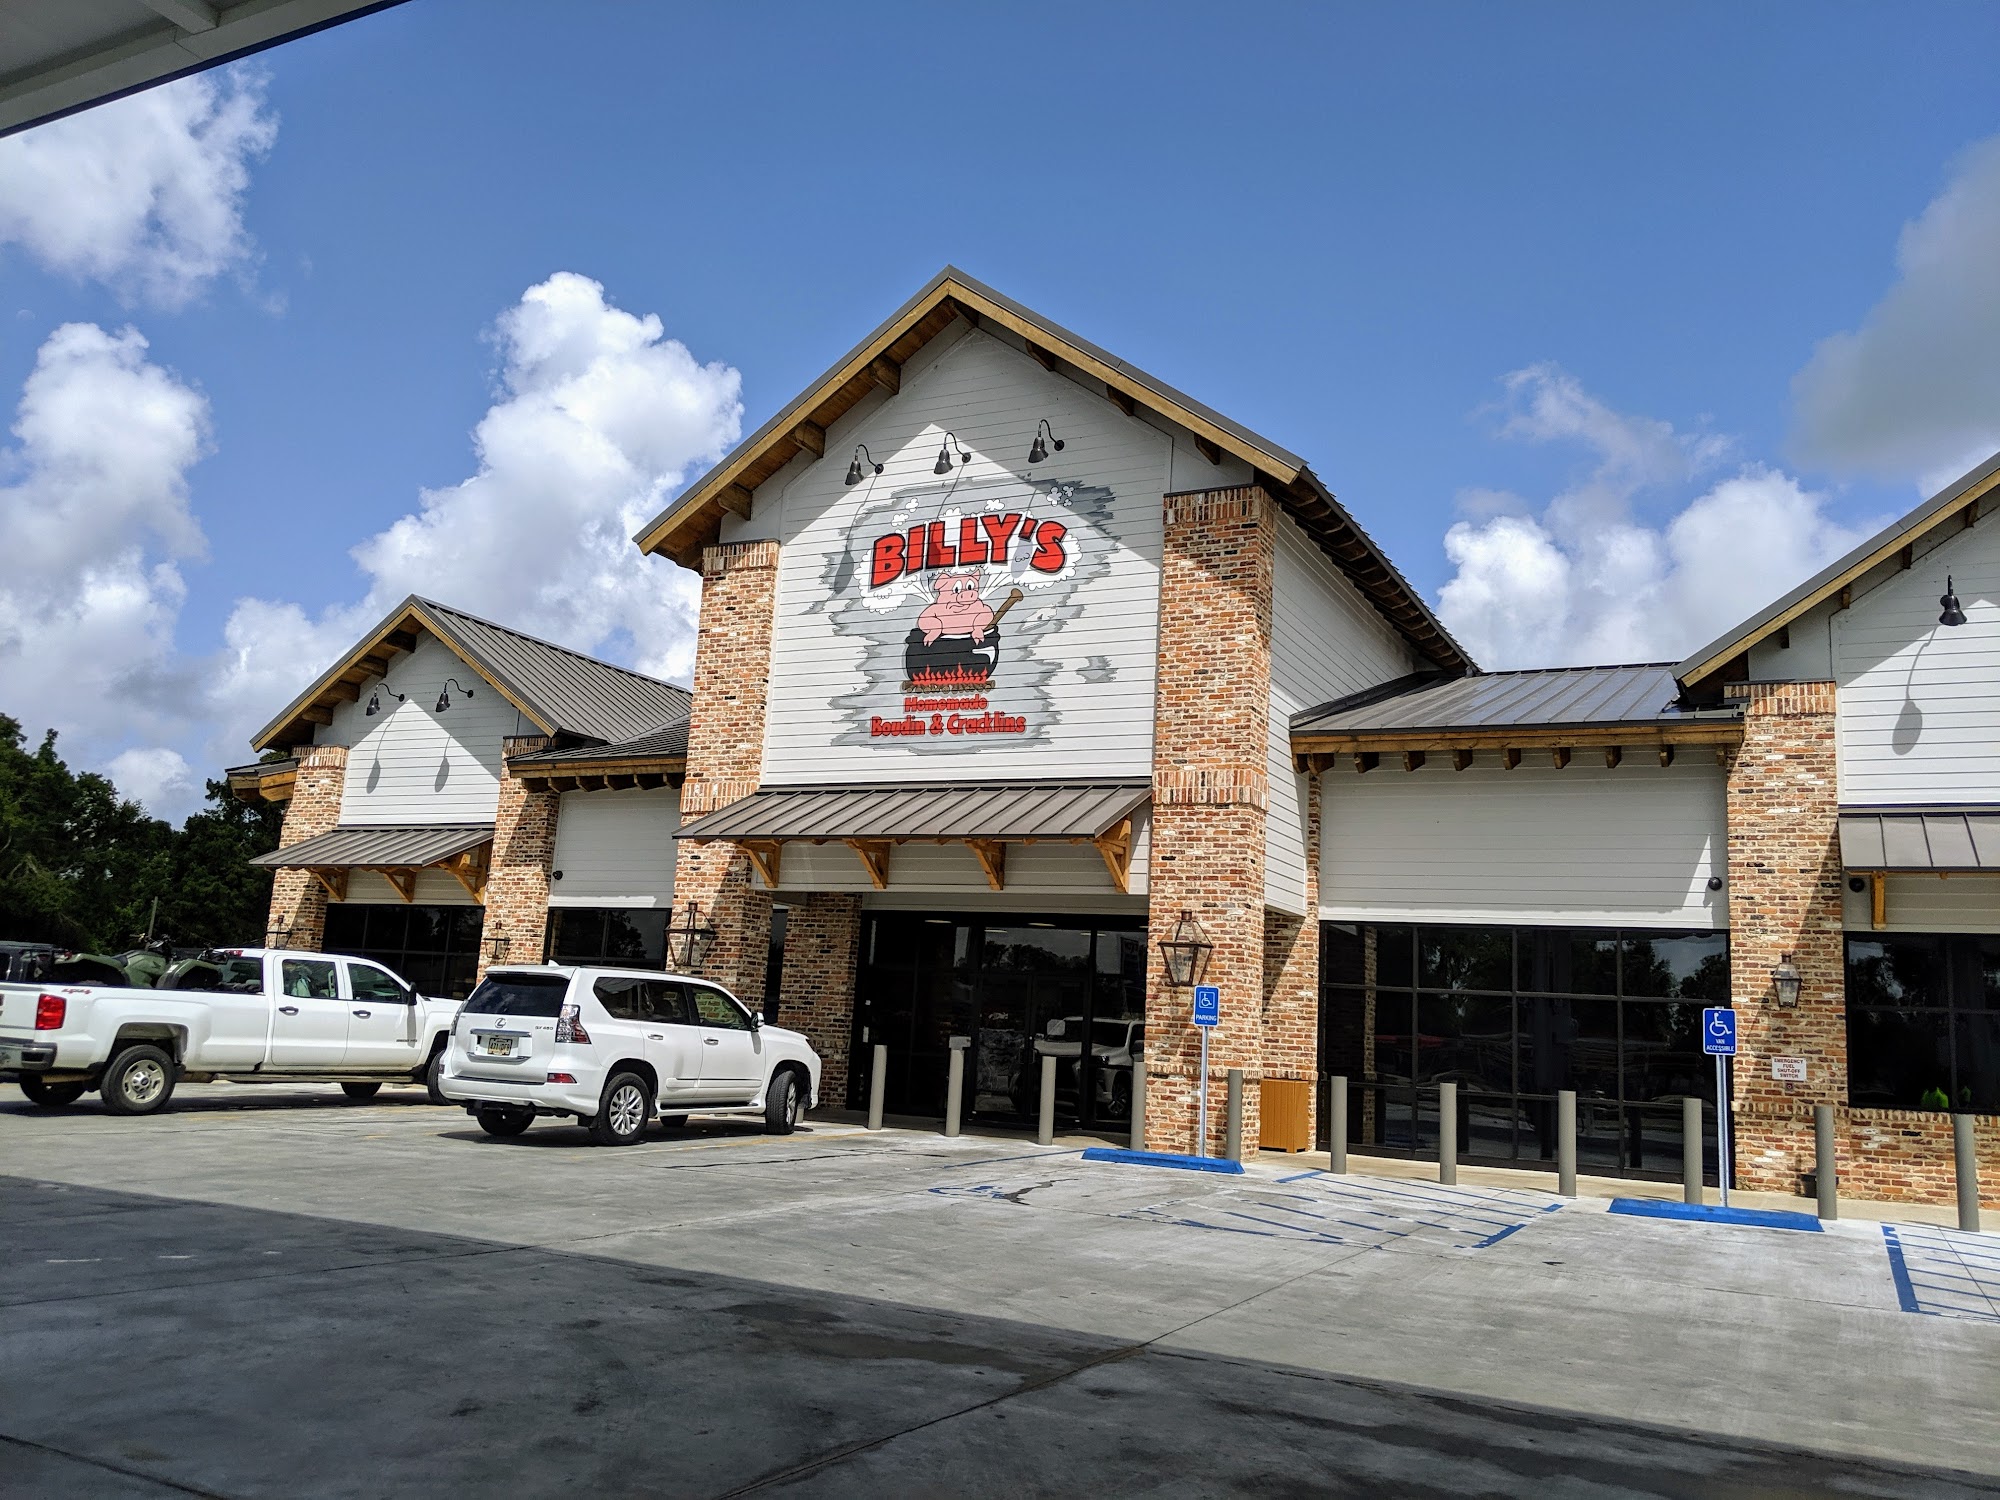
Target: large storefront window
1923	1022
616	937
1021	989
436	948
1514	1016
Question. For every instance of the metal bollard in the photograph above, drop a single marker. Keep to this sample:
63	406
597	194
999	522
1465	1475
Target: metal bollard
1448	1134
1138	1100
1825	1162
954	1085
1232	1139
1337	1117
1691	1148
1566	1143
878	1080
1967	1163
1045	1128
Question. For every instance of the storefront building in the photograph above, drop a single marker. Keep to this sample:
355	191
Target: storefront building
1014	664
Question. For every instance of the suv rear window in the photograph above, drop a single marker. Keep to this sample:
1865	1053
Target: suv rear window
519	995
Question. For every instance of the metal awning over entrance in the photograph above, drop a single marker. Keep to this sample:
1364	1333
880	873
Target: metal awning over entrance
1941	841
396	853
985	818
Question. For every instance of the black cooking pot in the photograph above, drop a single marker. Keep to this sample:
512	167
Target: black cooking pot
951	655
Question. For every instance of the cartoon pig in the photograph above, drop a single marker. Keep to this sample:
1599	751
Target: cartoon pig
957	609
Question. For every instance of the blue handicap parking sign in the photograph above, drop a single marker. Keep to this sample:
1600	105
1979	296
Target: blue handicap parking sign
1718	1031
1207	1004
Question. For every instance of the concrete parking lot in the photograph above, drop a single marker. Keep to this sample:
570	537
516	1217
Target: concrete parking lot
274	1292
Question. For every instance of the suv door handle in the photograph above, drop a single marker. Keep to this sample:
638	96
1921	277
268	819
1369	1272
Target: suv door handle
288	1010
656	1036
711	1041
363	1014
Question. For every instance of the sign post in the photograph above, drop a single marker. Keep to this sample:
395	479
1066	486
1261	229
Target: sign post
1718	1039
1207	1014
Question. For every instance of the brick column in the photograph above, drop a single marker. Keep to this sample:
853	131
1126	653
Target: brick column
816	989
1210	795
1291	974
298	901
1784	897
517	877
732	665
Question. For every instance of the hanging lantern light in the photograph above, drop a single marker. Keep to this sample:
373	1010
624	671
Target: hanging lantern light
689	940
1786	981
1186	953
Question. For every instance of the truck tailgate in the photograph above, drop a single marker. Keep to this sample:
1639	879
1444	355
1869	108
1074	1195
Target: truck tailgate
17	1006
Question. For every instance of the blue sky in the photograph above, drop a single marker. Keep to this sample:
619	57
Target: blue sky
1550	274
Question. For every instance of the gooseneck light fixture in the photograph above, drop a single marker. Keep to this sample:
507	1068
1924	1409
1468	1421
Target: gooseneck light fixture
375	700
1954	612
854	466
688	941
1037	452
444	693
943	464
1785	982
1186	953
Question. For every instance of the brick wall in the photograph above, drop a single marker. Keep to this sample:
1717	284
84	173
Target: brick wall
1291	974
517	877
1210	797
732	663
816	988
298	902
1785	879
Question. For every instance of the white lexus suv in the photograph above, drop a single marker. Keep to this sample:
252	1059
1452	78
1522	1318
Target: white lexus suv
615	1047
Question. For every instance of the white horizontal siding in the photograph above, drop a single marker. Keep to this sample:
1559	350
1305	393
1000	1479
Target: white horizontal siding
1035	872
616	848
1326	641
1924	903
1099	717
434	888
1919	704
1583	845
412	764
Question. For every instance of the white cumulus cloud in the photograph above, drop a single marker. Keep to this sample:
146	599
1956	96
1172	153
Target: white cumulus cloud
1581	578
1914	392
144	194
599	417
158	779
93	526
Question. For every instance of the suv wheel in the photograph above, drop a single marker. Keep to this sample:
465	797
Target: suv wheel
621	1118
359	1091
432	1074
49	1095
139	1081
783	1104
498	1119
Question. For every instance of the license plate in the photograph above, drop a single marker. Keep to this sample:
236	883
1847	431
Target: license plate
497	1046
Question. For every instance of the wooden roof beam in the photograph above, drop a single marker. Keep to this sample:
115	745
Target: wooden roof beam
886	373
811	438
1120	400
1047	361
735	498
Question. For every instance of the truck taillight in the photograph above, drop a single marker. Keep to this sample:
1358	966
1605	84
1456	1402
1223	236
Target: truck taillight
569	1027
49	1012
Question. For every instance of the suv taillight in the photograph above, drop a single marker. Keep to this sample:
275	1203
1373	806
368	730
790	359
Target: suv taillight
569	1027
49	1012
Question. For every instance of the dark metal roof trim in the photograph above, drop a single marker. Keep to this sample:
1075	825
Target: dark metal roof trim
670	743
1553	698
387	847
1935	839
994	810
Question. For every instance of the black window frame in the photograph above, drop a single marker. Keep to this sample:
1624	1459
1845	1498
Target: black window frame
1958	996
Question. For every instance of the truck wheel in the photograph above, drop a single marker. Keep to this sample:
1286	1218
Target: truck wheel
498	1119
359	1091
433	1078
139	1081
621	1119
49	1095
782	1105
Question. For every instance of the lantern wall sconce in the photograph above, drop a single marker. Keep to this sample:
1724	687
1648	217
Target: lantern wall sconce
689	940
1186	953
1785	982
1954	612
1037	452
944	458
444	693
854	470
497	944
375	700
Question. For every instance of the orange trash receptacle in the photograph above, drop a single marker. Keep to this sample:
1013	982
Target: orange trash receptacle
1284	1110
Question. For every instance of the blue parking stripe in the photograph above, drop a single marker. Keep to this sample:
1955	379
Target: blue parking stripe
1906	1294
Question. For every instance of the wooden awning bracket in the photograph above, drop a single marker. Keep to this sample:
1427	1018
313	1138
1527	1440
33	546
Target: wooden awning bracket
1115	845
403	878
333	882
769	860
1878	899
469	870
992	857
874	856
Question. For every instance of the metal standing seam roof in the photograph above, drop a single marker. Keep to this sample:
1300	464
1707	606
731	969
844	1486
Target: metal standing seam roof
1561	697
1079	810
1937	838
670	743
379	848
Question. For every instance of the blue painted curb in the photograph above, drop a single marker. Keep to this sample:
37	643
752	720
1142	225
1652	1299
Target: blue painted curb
1164	1159
1756	1218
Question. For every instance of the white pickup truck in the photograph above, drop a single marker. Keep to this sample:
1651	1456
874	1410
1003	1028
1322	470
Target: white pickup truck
276	1015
